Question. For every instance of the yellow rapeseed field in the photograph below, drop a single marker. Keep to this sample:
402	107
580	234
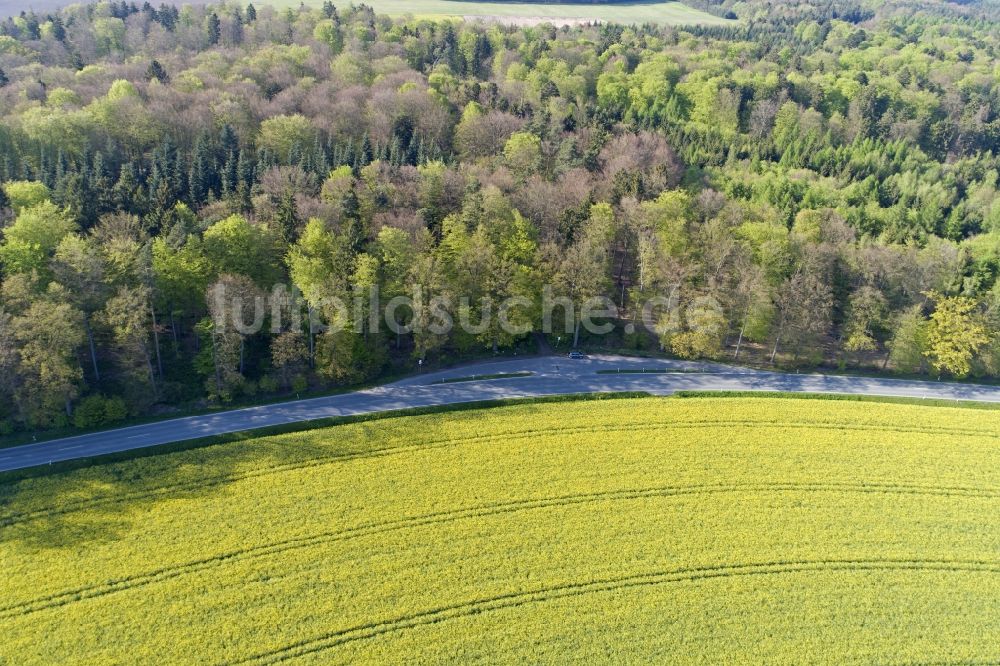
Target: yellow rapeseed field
712	530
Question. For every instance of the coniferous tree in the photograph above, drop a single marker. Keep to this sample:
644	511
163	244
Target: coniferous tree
236	29
353	227
365	154
70	193
412	152
395	152
213	28
347	155
31	26
167	15
295	155
244	180
100	186
228	157
229	142
167	177
320	162
156	71
127	193
58	29
287	215
48	172
200	175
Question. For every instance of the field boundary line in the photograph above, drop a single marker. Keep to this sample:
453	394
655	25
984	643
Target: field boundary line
320	461
65	597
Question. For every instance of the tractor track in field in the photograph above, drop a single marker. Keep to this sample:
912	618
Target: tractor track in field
12	519
433	616
65	597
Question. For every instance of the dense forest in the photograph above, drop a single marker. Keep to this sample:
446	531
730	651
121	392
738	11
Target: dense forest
815	184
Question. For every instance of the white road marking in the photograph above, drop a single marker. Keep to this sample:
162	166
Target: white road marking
552	376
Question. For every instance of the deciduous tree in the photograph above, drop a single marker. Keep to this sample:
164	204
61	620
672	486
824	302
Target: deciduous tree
48	335
954	335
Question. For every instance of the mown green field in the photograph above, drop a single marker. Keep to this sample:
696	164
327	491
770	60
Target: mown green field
670	13
643	530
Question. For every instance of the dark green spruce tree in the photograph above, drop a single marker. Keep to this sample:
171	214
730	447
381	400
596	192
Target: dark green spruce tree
58	29
213	27
200	177
156	71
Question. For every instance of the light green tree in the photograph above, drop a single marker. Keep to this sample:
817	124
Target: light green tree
954	335
866	312
48	336
431	321
329	33
180	276
523	153
126	315
705	328
109	34
908	345
670	216
234	245
26	194
650	88
79	268
581	274
319	263
281	134
34	236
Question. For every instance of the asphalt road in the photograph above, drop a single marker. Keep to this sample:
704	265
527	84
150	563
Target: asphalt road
550	376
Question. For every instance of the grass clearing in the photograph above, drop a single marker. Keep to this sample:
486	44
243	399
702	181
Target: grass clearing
665	13
668	13
714	528
650	371
479	378
842	397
